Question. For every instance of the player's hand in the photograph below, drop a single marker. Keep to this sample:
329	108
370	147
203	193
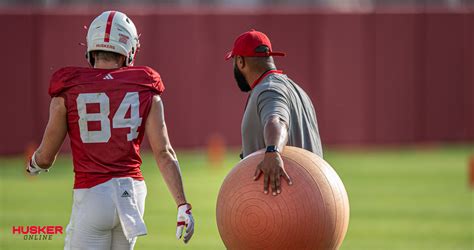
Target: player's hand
185	219
272	168
32	168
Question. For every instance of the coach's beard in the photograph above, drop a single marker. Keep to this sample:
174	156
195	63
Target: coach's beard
244	86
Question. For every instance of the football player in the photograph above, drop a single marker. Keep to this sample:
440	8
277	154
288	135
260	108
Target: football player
106	110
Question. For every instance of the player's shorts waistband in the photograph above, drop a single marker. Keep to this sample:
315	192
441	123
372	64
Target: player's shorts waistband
88	180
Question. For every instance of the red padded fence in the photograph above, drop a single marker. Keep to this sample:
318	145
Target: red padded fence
375	78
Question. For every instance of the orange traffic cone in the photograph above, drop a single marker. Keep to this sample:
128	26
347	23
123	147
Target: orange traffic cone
216	150
471	172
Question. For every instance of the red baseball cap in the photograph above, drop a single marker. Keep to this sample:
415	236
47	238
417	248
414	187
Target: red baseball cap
247	42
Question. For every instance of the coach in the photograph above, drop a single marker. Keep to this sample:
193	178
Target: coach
278	112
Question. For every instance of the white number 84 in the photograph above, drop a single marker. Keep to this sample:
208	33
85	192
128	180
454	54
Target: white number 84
130	101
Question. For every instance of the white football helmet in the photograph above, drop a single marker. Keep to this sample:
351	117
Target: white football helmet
113	31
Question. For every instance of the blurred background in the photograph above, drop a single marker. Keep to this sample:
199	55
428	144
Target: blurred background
392	82
254	3
395	74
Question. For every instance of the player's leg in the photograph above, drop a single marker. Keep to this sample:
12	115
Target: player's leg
92	218
119	241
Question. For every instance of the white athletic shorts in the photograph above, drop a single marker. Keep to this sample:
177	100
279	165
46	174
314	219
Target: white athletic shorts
94	223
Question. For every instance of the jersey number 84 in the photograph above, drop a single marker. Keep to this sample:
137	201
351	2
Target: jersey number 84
130	101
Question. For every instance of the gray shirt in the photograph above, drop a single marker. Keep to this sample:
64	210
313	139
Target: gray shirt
277	94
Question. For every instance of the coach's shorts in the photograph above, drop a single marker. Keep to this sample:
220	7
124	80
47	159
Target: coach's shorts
94	223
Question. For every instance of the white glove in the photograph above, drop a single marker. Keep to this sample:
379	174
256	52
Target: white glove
32	168
185	218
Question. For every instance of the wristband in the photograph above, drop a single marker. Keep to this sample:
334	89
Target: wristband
35	166
182	204
272	148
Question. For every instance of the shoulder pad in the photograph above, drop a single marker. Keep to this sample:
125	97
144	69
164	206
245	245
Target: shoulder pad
154	79
60	78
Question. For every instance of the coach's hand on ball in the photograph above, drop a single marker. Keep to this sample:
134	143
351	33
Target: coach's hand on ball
185	218
272	168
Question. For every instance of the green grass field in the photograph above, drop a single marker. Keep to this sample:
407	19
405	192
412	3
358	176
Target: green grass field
400	199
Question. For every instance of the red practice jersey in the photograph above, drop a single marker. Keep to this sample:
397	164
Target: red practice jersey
106	114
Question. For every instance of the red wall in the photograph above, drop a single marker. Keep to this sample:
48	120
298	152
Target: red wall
375	78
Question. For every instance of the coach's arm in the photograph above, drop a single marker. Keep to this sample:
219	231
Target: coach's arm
165	156
275	115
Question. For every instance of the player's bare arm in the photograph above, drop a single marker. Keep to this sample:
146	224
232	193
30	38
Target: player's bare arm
272	167
166	159
165	156
53	137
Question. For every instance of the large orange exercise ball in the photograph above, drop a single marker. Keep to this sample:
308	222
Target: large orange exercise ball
313	213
